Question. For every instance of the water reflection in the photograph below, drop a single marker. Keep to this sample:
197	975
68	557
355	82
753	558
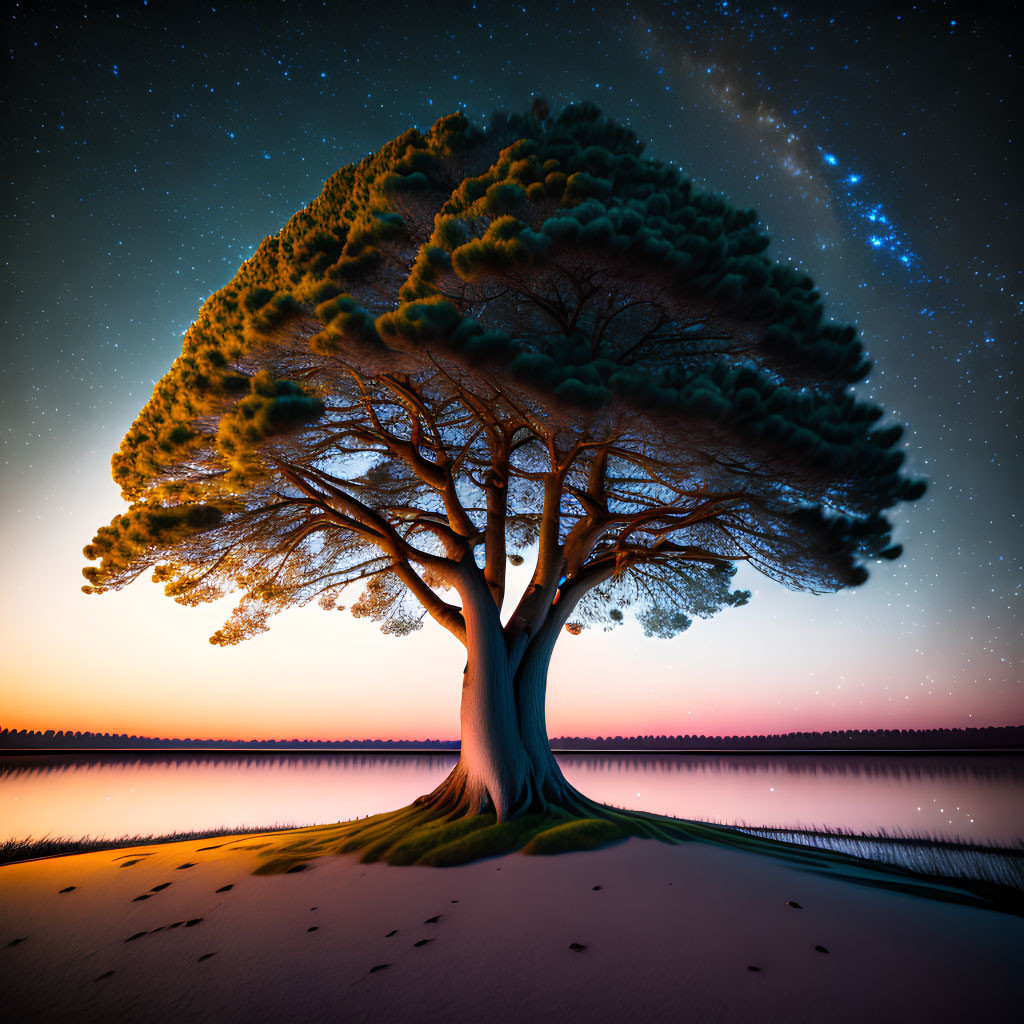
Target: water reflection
914	766
30	764
973	797
1000	767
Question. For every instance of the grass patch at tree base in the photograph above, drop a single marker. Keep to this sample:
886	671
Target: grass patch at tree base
420	835
416	835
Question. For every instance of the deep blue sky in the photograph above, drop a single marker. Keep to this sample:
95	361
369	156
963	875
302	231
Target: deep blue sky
151	146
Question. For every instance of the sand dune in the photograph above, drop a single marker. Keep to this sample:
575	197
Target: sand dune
641	931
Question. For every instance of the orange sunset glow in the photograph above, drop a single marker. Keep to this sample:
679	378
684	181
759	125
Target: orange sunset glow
136	662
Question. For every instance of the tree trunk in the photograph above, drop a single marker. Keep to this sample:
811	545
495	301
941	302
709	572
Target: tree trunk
493	760
531	684
505	764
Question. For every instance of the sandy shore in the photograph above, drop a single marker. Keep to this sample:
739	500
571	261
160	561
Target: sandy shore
641	931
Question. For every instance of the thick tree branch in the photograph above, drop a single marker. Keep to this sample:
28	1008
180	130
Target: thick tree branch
380	532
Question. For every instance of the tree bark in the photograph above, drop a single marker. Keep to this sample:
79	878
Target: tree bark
493	758
506	764
531	682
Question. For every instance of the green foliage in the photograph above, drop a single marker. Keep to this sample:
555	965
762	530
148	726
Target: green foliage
664	623
272	407
543	271
141	529
664	608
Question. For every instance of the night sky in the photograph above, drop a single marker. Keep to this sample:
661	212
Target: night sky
149	150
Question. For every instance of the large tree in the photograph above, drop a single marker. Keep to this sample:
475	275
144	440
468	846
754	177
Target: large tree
477	343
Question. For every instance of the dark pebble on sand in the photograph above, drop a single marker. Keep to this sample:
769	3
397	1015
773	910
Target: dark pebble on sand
144	896
751	967
577	947
106	974
137	935
205	956
394	931
15	942
160	887
379	967
70	888
296	868
225	888
313	928
793	904
422	942
821	949
433	920
194	921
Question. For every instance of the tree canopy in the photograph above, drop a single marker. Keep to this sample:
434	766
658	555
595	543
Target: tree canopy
473	341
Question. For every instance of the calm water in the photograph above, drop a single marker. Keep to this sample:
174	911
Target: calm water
978	798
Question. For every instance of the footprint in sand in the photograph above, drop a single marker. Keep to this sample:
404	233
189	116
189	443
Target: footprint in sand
193	922
821	949
225	888
577	947
137	935
379	967
597	888
15	942
160	887
70	888
106	974
296	868
129	863
751	967
181	867
205	956
433	920
314	928
794	904
394	931
144	896
422	942
217	847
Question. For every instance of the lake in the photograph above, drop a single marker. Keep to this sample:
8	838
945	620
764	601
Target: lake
973	798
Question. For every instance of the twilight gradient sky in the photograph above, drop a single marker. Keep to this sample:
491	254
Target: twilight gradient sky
150	146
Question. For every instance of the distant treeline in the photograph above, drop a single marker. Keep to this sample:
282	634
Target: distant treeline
990	737
27	739
987	738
